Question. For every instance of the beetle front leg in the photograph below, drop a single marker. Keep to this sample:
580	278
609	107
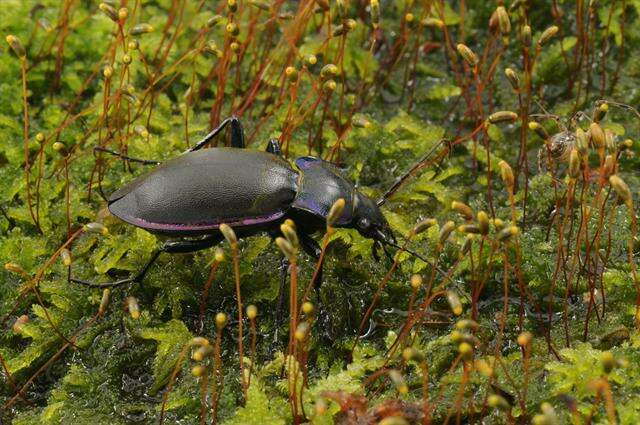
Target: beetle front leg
237	134
170	247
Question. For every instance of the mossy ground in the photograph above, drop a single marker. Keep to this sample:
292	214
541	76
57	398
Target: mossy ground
568	277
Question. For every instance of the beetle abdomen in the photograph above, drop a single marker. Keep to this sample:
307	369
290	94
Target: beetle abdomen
199	190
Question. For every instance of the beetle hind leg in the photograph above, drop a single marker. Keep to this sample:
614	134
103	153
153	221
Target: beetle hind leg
126	157
170	247
237	135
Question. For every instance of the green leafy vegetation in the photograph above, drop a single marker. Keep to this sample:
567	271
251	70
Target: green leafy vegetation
512	297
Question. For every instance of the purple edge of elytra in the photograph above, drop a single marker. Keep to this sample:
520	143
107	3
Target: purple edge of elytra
204	226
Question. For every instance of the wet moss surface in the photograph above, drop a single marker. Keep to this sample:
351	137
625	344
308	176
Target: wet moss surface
519	306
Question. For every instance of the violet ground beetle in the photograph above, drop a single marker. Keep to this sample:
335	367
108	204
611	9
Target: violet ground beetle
188	197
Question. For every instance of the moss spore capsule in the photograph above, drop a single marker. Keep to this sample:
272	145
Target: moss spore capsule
539	130
445	231
374	10
608	361
232	29
335	212
218	255
508	232
466	350
301	331
290	234
525	35
329	71
466	245
126	59
463	209
16	45
582	142
467	54
133	307
498	224
498	402
597	135
344	28
214	20
399	381
107	72
307	308
19	323
228	234
141	29
292	73
483	367
232	5
467	324
221	320
454	303
15	268
411	354
524	339
287	249
600	112
199	370
133	45
424	225
252	312
513	78
507	174
65	256
621	189
416	281
310	60
468	228
104	302
95	227
202	352
123	13
329	86
547	35
503	20
199	341
109	11
574	163
483	222
360	122
502	116
432	22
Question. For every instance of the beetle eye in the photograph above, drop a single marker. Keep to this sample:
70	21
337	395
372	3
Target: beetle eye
364	223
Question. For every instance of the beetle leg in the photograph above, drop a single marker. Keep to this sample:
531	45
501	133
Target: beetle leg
237	135
170	247
273	147
128	158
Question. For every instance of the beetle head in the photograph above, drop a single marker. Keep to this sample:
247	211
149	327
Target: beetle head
368	219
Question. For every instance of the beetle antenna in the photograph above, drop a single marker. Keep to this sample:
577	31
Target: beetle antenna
401	180
386	241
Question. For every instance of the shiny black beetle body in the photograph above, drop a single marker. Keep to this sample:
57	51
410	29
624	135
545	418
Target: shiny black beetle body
187	198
